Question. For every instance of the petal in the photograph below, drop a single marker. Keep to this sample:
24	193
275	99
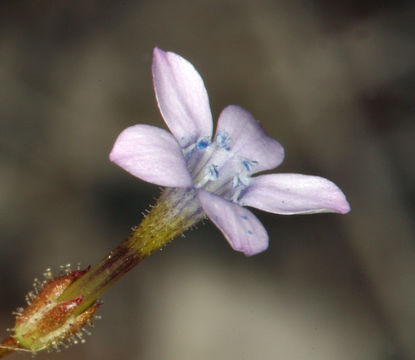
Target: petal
181	97
151	154
240	227
248	140
294	194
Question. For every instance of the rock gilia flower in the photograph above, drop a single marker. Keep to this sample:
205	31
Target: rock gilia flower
204	175
213	175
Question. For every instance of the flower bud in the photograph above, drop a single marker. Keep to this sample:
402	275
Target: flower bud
47	322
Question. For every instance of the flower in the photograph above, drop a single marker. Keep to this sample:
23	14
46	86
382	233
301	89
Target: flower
217	170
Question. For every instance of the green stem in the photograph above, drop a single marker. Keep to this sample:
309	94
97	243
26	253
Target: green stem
174	212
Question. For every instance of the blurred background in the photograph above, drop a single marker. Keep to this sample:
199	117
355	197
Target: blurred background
333	81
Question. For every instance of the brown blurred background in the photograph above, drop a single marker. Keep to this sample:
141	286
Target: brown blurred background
333	81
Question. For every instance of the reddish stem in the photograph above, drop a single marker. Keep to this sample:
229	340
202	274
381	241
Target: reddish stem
9	346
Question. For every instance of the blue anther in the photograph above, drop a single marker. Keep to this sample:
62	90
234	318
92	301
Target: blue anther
202	143
249	232
244	217
248	164
213	172
223	140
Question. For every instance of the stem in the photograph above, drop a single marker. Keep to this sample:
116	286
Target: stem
8	346
48	321
174	212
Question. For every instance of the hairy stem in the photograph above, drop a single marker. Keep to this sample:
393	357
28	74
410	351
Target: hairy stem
36	328
174	212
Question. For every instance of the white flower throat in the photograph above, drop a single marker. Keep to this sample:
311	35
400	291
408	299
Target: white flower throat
216	168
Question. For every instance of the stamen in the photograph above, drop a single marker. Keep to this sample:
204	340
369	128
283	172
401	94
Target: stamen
213	172
235	181
223	140
249	164
210	174
244	179
235	195
219	178
199	159
187	152
202	143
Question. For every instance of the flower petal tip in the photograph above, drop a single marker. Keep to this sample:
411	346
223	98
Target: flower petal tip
343	206
339	203
157	52
251	252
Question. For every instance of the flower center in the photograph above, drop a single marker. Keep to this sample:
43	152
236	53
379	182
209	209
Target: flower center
217	168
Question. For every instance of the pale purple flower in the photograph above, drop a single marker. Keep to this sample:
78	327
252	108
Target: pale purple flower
217	170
